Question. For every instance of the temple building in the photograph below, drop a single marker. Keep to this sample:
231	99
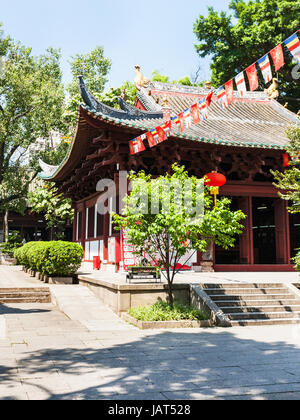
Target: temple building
243	142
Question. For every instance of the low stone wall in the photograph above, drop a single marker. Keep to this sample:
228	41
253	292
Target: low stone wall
121	297
146	325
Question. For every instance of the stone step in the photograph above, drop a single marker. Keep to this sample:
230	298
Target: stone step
24	294
242	303
262	315
246	298
23	289
246	291
261	322
241	285
45	299
257	303
264	309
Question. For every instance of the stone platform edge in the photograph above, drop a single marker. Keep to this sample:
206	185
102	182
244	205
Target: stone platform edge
129	287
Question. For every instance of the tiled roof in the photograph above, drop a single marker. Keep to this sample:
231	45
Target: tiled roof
254	121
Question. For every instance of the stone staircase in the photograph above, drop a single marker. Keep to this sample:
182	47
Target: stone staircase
256	304
25	295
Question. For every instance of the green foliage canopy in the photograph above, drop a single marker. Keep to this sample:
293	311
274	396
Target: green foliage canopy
31	107
56	209
235	42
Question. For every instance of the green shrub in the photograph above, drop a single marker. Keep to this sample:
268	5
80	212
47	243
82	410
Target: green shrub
162	311
21	254
61	258
58	259
35	254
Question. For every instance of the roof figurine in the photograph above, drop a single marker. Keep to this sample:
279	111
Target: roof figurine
272	90
140	80
208	84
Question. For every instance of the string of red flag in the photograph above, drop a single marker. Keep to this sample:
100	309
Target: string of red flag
225	95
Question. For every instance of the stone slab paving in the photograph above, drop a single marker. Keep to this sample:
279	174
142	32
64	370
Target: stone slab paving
46	353
80	304
11	276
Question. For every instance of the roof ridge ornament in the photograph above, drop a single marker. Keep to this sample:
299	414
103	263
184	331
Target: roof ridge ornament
127	111
140	80
272	91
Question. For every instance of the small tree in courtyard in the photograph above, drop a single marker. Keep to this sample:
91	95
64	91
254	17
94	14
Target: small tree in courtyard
173	215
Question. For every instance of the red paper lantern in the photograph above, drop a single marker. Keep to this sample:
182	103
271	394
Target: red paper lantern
286	160
215	180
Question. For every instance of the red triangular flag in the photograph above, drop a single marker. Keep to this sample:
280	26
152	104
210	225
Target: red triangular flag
209	98
180	121
151	139
229	91
252	77
195	113
161	134
167	128
278	57
136	146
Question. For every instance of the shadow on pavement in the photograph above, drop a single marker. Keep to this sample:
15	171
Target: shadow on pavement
13	309
198	365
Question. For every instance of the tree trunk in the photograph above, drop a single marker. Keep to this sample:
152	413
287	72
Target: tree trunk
171	297
5	226
170	281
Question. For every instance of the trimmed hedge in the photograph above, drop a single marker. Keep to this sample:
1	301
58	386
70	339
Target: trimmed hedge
55	259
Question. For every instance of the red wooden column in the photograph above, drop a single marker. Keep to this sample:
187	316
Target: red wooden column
83	228
282	232
105	235
75	224
246	239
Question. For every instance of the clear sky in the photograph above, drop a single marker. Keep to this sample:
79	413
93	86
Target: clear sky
157	34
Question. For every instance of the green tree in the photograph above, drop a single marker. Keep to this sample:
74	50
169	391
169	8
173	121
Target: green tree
56	209
175	227
94	67
51	153
289	180
31	107
235	42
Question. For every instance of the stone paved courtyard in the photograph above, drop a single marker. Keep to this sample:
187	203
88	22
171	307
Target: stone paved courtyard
48	354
